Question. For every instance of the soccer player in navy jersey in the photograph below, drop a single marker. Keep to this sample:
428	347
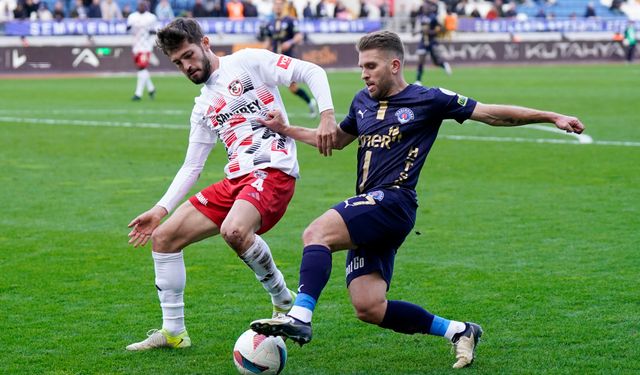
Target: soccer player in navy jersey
395	124
282	36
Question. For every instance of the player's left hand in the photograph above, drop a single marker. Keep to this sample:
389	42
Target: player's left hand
327	134
569	124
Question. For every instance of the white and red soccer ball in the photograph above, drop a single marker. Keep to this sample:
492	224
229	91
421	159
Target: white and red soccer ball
254	353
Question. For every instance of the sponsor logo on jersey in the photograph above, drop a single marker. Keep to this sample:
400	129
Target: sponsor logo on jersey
361	113
235	87
462	100
381	140
284	62
404	115
250	107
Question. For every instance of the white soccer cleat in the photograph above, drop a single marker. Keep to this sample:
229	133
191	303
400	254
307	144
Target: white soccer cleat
313	108
465	344
161	339
281	311
447	68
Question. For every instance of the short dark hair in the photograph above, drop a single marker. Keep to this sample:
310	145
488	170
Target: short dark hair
383	40
171	37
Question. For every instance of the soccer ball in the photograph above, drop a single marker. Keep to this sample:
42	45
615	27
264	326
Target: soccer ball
254	353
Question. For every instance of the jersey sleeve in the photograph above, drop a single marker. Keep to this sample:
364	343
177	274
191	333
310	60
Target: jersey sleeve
200	131
201	142
348	124
271	68
453	105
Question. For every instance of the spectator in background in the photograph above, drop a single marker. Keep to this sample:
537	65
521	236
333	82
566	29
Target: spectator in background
307	12
80	11
217	9
450	24
629	41
290	9
110	10
19	13
341	12
364	9
164	11
510	11
6	10
94	10
615	7
235	10
590	11
44	14
58	11
250	10
541	13
31	9
265	11
126	11
321	9
198	9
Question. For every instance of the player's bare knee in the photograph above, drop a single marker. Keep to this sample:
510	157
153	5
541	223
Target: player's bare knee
370	311
312	235
162	241
238	238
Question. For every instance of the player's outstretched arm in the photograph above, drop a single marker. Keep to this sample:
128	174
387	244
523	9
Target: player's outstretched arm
275	122
507	115
144	225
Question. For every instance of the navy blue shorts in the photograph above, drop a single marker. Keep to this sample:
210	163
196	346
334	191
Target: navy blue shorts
378	223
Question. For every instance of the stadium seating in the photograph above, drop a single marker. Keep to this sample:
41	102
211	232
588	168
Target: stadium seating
566	8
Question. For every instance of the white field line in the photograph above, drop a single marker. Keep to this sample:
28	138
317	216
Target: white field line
126	124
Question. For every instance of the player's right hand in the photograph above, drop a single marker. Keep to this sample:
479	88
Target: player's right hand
144	225
327	135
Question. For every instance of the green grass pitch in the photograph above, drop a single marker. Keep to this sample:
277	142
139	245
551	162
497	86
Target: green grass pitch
524	231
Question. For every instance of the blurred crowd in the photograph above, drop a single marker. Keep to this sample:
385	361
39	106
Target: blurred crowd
46	10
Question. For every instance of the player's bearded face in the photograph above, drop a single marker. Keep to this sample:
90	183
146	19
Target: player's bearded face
202	73
376	73
193	62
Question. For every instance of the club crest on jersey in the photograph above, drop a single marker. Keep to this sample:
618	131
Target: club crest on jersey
377	195
404	115
235	87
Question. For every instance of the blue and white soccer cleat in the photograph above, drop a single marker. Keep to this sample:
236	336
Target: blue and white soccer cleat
465	344
285	326
161	339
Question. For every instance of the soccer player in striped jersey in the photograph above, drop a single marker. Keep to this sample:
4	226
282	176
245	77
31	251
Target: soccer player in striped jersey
260	174
395	124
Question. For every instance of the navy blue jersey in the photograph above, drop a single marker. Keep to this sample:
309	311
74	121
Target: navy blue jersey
396	134
430	27
281	30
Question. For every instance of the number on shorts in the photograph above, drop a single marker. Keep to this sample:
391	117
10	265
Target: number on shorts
257	184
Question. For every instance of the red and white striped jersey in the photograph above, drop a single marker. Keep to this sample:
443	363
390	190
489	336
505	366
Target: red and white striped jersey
241	90
141	25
